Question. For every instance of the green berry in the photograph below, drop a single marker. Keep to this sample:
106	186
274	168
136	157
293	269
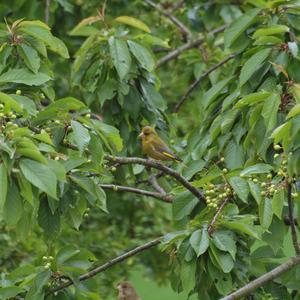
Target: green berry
45	258
57	122
88	116
263	193
263	184
276	155
255	180
225	170
277	147
56	158
18	92
1	115
115	188
269	176
222	159
113	169
284	162
294	195
1	106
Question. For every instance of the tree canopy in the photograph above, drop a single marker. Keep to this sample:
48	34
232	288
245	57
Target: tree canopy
80	205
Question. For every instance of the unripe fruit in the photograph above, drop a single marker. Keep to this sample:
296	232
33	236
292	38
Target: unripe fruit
255	180
269	176
44	257
86	215
18	92
263	193
57	122
50	257
88	115
89	161
1	106
113	169
225	170
222	159
1	115
277	147
294	195
56	158
284	162
115	188
276	155
263	184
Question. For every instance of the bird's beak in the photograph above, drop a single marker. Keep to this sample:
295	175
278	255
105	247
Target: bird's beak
141	135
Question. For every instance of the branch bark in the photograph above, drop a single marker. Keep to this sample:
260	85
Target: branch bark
47	6
202	76
183	29
156	165
108	264
191	44
291	219
158	195
262	280
217	214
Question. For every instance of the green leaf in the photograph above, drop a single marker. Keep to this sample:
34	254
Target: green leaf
240	186
256	169
36	291
3	184
255	191
265	213
253	64
66	253
271	30
278	203
270	111
214	92
43	137
224	260
294	111
43	33
132	22
281	132
241	227
10	102
24	76
183	205
81	135
13	206
252	99
30	57
10	292
199	240
239	26
49	222
26	103
40	176
224	241
120	56
143	56
187	275
153	97
234	155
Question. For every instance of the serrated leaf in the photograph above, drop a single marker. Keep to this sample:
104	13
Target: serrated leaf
224	241
270	111
265	213
183	205
3	184
239	26
241	227
24	76
256	169
143	56
271	30
252	99
278	203
10	292
81	135
255	191
10	102
199	240
240	186
294	111
133	22
120	56
40	176
30	57
13	206
224	260
49	222
253	64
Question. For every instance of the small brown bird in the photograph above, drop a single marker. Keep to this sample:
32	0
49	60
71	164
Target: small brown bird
155	147
127	291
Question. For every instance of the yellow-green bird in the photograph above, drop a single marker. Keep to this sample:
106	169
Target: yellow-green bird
155	147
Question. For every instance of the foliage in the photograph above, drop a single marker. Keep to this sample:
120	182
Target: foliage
75	93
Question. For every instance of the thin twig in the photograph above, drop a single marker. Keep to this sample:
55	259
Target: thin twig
202	76
47	6
291	219
183	29
217	214
157	165
191	44
262	280
108	264
158	195
155	184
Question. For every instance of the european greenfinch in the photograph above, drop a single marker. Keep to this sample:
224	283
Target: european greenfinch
155	147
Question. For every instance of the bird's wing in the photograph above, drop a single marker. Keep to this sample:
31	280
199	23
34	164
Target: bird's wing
162	148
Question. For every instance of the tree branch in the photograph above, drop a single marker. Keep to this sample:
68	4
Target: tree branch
215	218
202	76
158	195
191	44
47	6
155	184
108	265
156	165
183	29
262	280
291	219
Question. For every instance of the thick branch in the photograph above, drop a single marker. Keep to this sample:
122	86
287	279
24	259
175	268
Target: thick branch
291	218
202	76
183	29
191	44
156	165
262	280
157	195
217	214
155	184
108	264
